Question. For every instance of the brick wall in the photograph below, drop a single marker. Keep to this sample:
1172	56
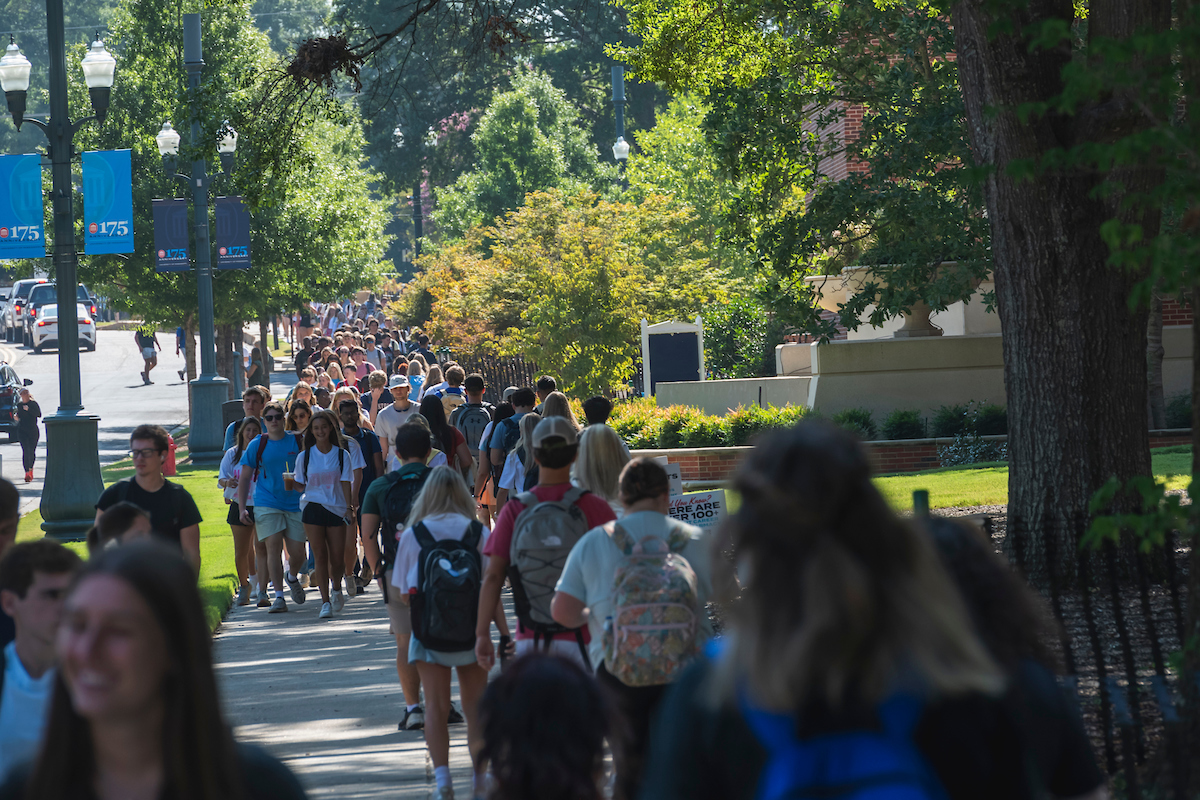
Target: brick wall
713	464
1176	312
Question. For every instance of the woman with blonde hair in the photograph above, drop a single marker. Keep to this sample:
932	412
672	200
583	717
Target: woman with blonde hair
602	456
848	637
302	391
325	474
416	378
432	379
520	473
557	405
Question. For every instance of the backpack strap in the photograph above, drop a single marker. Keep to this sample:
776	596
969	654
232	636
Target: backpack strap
621	538
527	499
573	494
424	537
473	535
258	456
678	538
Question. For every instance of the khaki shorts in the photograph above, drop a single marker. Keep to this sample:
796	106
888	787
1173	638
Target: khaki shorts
398	613
270	521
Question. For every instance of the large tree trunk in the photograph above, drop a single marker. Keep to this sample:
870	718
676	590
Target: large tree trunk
1074	354
1156	404
265	345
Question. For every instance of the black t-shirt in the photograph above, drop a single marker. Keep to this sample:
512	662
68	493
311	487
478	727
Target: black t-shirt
264	777
27	421
301	359
430	358
171	508
703	750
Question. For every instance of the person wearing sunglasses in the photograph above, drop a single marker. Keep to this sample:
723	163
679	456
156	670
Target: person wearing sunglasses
174	516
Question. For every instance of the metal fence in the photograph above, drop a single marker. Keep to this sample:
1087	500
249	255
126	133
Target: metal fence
500	372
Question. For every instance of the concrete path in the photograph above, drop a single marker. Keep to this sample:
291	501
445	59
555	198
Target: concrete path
323	696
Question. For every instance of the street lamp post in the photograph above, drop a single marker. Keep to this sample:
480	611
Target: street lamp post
621	148
206	435
73	479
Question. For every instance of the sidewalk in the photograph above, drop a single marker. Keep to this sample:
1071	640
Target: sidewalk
323	696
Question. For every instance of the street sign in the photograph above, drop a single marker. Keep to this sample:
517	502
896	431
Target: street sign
22	231
171	236
107	202
233	233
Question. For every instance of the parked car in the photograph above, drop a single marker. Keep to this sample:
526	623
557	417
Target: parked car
13	321
44	294
44	330
10	394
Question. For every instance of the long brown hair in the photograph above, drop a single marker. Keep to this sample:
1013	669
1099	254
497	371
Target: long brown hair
842	598
199	755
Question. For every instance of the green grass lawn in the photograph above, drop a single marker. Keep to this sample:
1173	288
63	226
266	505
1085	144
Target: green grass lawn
218	579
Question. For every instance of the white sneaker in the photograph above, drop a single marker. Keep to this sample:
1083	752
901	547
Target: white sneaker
326	611
279	606
445	793
338	601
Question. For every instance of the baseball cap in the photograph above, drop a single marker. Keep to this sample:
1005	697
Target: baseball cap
509	392
552	427
397	381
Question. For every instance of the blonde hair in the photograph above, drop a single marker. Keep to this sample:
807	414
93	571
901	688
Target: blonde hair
843	600
302	385
342	392
556	404
435	376
377	379
527	424
444	492
335	372
602	456
416	367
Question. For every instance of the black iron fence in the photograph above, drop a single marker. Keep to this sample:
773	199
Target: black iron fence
500	372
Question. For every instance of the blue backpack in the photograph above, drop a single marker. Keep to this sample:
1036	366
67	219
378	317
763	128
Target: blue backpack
849	764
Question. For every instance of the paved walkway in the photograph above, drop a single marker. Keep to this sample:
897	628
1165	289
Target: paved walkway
323	695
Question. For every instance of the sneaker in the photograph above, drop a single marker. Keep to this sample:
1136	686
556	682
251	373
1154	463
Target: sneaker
445	793
413	720
279	606
326	611
338	601
296	588
243	595
181	375
263	600
455	716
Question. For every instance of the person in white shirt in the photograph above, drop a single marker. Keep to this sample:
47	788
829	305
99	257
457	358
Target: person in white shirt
516	463
244	558
325	473
34	577
390	418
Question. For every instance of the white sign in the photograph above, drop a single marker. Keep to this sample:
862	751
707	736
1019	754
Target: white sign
702	509
673	475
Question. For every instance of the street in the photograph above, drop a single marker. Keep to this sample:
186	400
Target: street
112	389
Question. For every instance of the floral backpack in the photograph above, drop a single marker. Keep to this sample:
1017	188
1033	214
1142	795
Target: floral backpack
651	635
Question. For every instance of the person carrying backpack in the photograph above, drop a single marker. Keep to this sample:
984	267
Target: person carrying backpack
529	545
325	475
507	433
438	572
848	667
640	584
472	417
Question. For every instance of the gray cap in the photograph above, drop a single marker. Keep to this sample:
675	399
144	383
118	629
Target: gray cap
555	427
509	392
397	381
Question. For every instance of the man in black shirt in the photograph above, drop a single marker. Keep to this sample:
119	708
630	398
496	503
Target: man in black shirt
303	355
173	513
424	351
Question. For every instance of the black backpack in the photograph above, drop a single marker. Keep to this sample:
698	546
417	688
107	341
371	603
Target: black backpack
397	505
510	430
449	576
531	473
470	420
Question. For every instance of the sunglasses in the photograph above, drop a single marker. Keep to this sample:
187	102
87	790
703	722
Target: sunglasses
272	417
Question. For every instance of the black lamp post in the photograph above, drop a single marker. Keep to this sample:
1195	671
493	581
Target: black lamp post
621	148
73	479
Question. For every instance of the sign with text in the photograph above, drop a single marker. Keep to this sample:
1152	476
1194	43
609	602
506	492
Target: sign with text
233	233
702	509
22	231
107	202
674	476
171	236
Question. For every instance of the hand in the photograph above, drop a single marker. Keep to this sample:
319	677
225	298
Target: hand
245	517
231	483
485	654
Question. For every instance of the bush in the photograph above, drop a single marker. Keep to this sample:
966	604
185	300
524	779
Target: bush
857	420
970	448
788	416
705	431
673	421
991	420
904	424
637	422
1179	411
746	422
949	421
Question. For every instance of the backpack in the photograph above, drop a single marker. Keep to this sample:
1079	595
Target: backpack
452	397
262	447
397	505
449	576
651	635
543	535
532	472
860	764
510	430
470	420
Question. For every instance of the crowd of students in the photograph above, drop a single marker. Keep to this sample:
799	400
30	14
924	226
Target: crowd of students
857	651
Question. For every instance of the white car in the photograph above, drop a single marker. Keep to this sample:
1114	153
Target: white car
45	327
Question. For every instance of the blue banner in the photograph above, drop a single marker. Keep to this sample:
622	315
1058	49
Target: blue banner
107	202
171	236
233	233
22	232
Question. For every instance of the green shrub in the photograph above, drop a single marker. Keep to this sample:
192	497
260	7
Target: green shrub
746	422
991	420
858	420
1179	412
949	421
788	416
673	420
705	431
637	423
904	424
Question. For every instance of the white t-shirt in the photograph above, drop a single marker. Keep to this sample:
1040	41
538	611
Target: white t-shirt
230	469
23	710
483	440
408	552
388	421
431	390
591	568
513	476
322	483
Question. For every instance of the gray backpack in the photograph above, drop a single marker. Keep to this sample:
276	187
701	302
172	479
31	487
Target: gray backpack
543	535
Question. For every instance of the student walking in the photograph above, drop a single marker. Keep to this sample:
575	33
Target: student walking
324	473
243	535
439	569
602	456
146	337
28	432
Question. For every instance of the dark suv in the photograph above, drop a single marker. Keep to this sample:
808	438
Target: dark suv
10	393
40	295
